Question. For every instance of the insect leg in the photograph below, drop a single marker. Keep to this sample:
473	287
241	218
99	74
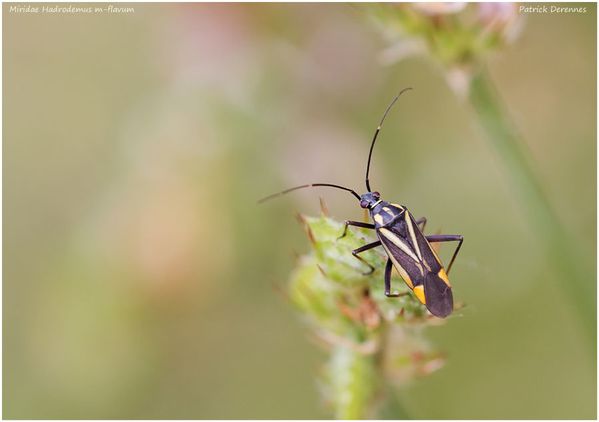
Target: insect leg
361	249
357	224
388	269
423	222
448	238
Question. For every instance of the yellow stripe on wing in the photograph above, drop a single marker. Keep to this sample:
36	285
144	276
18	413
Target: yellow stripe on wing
419	292
393	238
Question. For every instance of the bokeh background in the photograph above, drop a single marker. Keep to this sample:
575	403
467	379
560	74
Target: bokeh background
141	280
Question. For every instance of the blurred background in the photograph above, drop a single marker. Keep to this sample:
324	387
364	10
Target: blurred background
140	277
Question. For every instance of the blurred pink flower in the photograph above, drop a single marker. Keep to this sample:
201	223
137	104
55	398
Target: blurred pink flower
211	46
501	17
154	226
439	8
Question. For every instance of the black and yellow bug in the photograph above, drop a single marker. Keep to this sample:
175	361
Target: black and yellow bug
403	239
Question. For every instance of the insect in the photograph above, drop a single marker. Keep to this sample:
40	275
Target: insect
408	249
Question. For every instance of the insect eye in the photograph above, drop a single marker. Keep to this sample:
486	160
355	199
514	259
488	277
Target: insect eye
364	203
376	195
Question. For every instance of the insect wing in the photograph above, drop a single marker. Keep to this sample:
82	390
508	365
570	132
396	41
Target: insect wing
402	255
439	299
418	264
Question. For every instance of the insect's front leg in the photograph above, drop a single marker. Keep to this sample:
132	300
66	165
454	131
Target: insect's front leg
361	249
448	238
357	224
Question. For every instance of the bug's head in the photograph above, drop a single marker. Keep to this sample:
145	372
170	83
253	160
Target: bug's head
369	199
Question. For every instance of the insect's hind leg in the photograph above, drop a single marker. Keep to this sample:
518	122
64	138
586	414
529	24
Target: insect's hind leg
422	221
388	269
448	238
357	224
361	249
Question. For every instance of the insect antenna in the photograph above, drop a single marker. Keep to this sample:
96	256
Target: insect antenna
311	185
378	129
